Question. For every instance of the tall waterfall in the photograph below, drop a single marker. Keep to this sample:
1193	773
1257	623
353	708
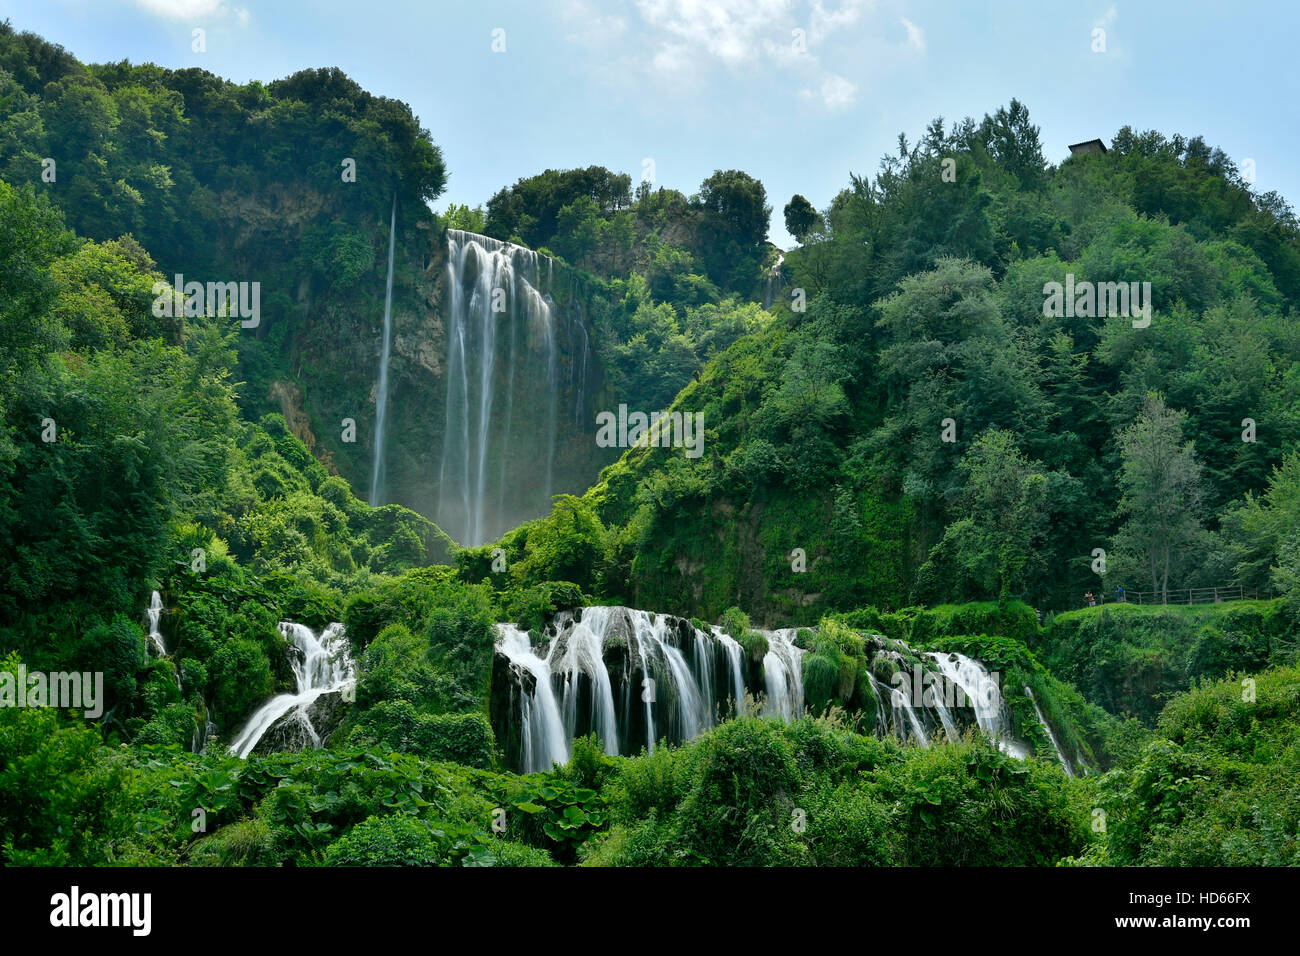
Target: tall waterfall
504	386
633	678
381	399
782	675
321	665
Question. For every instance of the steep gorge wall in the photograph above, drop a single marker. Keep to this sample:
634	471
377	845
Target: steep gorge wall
330	357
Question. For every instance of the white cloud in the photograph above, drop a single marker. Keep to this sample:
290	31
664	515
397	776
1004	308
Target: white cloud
823	22
734	32
194	9
675	44
1108	18
915	36
590	26
836	93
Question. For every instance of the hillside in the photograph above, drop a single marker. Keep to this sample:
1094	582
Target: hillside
925	431
379	574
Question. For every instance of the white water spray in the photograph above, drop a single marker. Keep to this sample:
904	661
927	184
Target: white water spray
633	678
321	665
505	336
381	399
154	614
1060	754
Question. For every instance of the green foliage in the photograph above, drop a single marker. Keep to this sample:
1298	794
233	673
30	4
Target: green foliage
396	726
814	793
924	304
800	215
246	843
62	800
397	840
1128	658
1218	786
461	640
558	814
241	678
1013	619
961	804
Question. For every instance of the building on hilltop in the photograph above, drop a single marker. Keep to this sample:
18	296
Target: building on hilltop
1088	147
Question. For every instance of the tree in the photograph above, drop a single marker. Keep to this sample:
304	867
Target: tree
578	229
1013	143
1264	533
1000	517
734	220
1162	489
799	217
464	218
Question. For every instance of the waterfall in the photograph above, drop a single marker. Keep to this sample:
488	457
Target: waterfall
933	697
905	716
774	281
633	678
321	665
783	675
1060	754
982	691
544	741
201	736
154	614
381	400
505	337
583	655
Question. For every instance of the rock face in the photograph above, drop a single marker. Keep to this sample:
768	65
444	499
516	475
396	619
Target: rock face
305	728
332	351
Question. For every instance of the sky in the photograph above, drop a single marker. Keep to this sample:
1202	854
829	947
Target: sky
798	93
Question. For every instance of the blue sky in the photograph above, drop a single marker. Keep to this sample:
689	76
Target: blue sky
699	85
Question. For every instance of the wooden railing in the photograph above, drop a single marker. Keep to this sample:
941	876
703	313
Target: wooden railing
1215	595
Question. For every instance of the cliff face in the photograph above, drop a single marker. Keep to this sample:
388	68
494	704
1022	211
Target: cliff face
493	379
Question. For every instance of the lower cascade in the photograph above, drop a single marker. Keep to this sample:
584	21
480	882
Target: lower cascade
636	679
322	665
1051	735
633	678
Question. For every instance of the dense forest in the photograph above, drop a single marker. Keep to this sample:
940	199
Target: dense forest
910	464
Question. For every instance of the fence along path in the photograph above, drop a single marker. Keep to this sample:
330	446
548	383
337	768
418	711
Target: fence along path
1216	595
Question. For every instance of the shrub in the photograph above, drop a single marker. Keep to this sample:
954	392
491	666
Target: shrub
396	840
246	843
61	798
509	853
118	649
241	679
174	727
462	738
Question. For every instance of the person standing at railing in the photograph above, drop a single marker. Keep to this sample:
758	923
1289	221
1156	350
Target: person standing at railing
1119	593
